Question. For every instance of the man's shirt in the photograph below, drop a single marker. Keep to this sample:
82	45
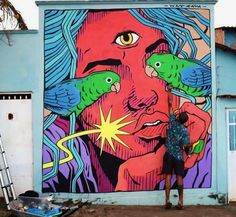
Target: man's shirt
177	136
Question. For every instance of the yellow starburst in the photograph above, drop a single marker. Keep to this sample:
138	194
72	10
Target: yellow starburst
109	130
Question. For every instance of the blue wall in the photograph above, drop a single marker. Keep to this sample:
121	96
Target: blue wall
230	37
225	84
221	145
19	62
225	69
20	72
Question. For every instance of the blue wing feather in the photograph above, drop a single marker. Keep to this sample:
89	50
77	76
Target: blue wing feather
62	97
196	76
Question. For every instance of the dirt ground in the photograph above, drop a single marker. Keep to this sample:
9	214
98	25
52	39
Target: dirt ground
89	210
154	211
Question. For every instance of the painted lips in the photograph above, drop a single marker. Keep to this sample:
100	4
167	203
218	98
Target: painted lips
152	126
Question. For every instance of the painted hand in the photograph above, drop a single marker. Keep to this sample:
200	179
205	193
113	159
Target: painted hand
198	128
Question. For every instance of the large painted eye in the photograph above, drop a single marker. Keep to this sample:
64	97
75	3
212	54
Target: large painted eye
126	38
108	80
157	64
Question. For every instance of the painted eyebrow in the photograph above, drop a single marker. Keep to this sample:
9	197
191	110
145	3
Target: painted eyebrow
153	46
117	62
107	62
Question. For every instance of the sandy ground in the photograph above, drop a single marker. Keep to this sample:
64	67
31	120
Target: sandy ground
154	211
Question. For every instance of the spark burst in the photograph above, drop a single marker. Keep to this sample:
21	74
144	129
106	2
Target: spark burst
110	130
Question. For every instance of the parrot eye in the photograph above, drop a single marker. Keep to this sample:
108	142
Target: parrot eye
109	80
157	64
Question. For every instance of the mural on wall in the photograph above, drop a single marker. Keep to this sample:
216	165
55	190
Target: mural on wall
105	97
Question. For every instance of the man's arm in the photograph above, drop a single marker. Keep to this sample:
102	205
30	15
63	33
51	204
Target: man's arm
187	145
170	99
188	149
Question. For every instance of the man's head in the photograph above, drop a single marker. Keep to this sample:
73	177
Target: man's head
183	117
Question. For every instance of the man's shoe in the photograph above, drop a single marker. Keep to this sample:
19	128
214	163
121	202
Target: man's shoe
168	205
179	206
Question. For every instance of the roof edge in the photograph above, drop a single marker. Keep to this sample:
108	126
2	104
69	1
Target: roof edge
226	96
226	27
226	48
60	2
19	31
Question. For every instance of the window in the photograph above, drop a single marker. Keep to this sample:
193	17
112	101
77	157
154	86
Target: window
232	129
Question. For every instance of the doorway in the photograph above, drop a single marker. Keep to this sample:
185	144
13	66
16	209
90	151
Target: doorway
231	145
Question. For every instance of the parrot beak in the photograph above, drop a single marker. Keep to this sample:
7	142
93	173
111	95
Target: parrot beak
150	72
115	87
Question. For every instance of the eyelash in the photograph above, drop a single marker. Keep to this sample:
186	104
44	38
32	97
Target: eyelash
126	39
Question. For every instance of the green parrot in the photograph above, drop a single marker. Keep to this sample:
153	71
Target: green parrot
191	77
74	95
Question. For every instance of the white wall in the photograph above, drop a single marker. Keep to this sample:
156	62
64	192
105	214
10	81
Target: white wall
16	134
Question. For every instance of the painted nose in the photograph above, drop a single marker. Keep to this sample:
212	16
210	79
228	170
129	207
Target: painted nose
136	103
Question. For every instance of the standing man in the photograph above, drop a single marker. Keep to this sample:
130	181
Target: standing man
177	139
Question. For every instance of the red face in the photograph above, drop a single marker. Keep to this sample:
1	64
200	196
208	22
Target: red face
116	41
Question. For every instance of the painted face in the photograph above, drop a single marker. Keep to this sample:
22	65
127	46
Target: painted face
116	41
